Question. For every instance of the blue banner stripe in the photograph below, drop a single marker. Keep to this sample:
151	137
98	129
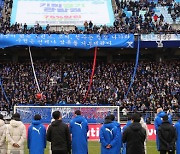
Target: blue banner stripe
84	41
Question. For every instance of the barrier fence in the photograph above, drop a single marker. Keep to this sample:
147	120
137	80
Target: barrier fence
148	116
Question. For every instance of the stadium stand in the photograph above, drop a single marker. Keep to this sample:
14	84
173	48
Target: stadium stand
133	17
156	83
65	83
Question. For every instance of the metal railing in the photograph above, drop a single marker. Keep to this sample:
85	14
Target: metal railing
148	116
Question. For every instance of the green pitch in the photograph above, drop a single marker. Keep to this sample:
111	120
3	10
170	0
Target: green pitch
94	148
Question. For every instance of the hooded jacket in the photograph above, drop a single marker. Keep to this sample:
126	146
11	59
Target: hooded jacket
132	135
59	136
79	129
109	134
127	125
157	123
3	135
16	133
120	136
36	135
177	126
167	136
124	128
144	125
158	119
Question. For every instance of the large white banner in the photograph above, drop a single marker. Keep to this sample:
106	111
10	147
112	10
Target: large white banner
62	12
160	37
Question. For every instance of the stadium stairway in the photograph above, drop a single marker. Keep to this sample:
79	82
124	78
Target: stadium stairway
113	4
178	20
164	11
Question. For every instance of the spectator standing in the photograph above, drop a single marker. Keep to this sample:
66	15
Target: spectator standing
79	129
36	135
16	135
167	137
90	25
3	135
155	17
50	151
177	126
59	136
119	131
134	134
85	25
109	136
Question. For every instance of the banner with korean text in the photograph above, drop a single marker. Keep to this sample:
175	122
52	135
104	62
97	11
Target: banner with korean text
84	41
62	12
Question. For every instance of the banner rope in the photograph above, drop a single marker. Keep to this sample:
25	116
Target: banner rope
135	69
3	91
35	77
92	74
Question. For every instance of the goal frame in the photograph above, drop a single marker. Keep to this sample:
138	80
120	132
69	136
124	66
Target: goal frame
26	106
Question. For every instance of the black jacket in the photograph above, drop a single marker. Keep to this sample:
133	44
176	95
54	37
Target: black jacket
167	136
59	136
134	136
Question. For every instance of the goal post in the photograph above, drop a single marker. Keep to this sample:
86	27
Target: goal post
93	114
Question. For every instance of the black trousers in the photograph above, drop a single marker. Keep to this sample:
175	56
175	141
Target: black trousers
169	152
59	152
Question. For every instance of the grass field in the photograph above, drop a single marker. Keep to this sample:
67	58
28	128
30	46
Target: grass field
94	148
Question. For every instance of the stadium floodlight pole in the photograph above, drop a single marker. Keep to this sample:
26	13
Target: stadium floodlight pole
34	70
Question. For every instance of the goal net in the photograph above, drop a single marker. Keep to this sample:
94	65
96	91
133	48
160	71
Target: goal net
93	114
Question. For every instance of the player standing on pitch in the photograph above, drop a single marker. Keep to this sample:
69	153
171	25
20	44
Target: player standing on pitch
16	135
120	135
177	126
3	135
124	128
36	135
79	129
134	136
109	137
59	136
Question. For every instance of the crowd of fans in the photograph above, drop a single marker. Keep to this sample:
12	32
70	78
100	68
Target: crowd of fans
149	21
156	84
174	10
136	23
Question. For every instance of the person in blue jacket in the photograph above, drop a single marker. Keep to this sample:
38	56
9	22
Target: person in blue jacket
124	128
79	129
109	136
36	136
177	126
120	135
157	123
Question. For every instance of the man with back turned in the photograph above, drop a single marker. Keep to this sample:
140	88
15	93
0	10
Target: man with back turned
59	136
134	136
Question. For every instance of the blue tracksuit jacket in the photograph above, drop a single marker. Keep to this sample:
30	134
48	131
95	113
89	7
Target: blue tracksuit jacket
124	145
177	126
120	136
79	129
36	138
157	123
109	134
